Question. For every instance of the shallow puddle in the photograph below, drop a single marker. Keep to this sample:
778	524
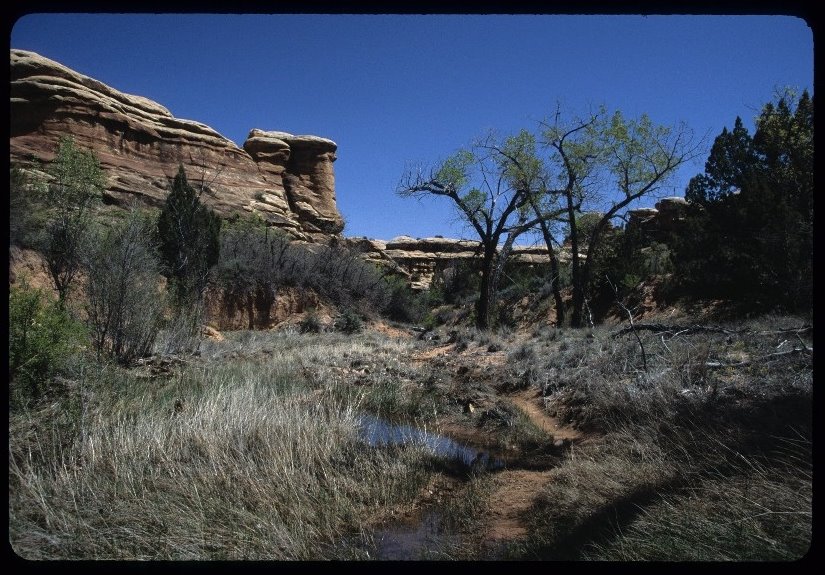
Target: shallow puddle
426	538
377	431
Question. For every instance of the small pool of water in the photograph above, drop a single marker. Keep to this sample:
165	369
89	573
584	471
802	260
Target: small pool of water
424	540
377	431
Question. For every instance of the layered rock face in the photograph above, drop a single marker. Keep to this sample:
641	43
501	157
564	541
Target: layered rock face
287	179
665	217
302	166
419	260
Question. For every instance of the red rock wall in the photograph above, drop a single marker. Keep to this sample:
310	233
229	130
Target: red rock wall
288	180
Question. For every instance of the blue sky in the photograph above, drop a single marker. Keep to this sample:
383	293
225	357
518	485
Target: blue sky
398	89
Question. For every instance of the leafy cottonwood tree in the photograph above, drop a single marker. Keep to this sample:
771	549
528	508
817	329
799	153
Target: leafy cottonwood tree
521	166
605	162
77	185
602	160
490	193
189	234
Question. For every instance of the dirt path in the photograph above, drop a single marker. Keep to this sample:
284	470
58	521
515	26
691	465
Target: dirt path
529	401
514	490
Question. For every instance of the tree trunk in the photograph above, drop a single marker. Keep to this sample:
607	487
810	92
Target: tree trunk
498	268
554	265
484	292
578	288
554	271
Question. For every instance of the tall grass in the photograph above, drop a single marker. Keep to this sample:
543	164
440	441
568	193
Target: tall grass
246	460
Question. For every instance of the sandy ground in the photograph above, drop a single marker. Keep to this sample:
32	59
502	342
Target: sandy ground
514	490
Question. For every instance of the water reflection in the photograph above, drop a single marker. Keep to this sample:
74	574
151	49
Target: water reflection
377	431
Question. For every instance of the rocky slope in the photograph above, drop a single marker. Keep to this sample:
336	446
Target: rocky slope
287	179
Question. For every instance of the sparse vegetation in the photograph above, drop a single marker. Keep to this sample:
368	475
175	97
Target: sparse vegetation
124	300
664	439
716	436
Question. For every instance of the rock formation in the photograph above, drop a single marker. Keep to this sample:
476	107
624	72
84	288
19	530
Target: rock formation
662	219
421	259
302	166
287	179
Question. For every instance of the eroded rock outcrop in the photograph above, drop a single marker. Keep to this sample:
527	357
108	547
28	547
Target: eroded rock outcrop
302	165
421	259
664	218
288	179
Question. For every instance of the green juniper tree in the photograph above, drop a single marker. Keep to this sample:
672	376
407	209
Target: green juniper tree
750	226
189	238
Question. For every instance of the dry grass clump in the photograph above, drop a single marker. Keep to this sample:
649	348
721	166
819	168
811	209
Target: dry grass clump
596	381
637	495
760	514
705	455
243	460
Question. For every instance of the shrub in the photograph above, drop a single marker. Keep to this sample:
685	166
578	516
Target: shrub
457	282
344	277
42	336
254	262
404	305
181	333
123	305
349	322
311	323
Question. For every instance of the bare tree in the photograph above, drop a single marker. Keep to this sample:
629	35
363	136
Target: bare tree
124	304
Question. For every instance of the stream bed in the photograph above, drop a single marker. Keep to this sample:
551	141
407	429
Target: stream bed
426	538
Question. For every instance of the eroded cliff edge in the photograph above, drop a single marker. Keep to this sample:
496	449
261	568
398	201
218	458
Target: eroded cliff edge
289	180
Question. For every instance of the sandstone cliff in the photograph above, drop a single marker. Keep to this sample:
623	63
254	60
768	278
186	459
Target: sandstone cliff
287	179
